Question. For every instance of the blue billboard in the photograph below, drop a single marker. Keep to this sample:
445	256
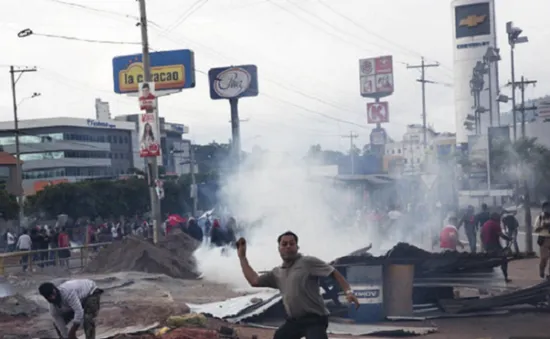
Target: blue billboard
233	82
170	70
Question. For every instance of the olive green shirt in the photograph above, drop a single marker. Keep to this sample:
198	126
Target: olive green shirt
299	285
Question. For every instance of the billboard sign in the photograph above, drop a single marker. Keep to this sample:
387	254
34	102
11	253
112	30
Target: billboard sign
376	77
149	135
478	156
378	137
233	82
378	112
472	20
172	71
499	139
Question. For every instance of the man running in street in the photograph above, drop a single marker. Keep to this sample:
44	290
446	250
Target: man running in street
491	233
297	280
74	300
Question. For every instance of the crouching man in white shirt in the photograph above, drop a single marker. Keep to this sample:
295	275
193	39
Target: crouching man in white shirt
75	300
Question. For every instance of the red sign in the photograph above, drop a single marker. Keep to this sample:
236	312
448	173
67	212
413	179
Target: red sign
384	65
376	76
378	112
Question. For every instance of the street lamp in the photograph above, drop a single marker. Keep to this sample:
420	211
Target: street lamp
34	95
513	39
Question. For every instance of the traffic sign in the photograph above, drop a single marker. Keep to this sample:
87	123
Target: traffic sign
429	180
378	112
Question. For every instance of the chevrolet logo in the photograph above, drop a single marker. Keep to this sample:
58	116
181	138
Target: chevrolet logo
472	20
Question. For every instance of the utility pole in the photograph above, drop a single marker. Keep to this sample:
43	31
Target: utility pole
423	65
194	188
527	197
352	136
152	163
18	165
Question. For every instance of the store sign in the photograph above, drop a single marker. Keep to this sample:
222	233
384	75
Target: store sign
376	77
100	124
473	20
233	82
378	112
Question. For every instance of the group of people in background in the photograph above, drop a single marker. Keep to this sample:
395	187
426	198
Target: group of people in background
52	242
492	227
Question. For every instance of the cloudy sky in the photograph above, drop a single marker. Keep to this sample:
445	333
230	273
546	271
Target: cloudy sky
306	51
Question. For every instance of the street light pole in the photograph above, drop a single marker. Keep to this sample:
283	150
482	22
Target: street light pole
513	39
18	165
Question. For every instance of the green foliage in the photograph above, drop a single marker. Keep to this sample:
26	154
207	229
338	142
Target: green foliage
8	205
111	198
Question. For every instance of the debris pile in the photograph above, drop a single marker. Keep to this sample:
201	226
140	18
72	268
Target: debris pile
17	305
172	256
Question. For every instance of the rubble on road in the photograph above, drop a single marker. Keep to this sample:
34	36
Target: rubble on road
173	256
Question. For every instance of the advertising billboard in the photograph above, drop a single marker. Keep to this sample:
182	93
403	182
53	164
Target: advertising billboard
233	82
149	136
473	32
499	140
477	158
172	71
376	77
378	112
378	137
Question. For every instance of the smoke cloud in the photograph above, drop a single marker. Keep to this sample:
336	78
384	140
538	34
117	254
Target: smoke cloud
272	194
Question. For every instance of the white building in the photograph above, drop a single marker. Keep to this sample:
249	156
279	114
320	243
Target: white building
474	30
411	152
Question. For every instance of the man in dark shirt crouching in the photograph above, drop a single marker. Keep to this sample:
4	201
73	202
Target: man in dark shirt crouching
297	280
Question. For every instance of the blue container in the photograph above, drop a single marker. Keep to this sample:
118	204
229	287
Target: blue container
366	283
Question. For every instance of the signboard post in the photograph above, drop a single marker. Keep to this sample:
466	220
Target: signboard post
376	81
165	73
232	83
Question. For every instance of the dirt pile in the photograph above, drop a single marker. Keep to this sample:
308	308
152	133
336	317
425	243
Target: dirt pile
17	305
172	256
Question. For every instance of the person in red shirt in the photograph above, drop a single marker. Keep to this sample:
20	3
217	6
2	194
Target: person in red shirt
491	233
64	245
448	237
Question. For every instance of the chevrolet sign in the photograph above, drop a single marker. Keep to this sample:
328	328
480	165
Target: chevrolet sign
473	20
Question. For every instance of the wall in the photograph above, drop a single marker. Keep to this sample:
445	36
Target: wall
470	48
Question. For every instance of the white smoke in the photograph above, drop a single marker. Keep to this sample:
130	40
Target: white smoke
284	197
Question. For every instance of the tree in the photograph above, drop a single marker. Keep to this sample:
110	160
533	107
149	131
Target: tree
9	208
525	159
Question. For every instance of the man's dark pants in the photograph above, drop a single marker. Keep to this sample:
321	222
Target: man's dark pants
309	326
471	235
91	307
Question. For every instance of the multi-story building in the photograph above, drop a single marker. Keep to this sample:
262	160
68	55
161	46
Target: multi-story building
55	150
70	149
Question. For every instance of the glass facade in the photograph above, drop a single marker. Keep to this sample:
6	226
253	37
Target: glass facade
48	137
73	172
72	154
31	139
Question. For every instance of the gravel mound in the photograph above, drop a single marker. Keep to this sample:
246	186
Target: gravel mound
17	305
172	256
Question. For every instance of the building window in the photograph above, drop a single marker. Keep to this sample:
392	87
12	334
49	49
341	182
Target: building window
31	139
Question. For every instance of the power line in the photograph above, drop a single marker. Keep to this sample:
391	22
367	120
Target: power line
186	14
352	136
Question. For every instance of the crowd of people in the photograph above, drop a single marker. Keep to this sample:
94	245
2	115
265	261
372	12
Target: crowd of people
491	227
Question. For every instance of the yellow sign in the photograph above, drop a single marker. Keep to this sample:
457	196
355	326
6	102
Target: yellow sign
164	77
472	20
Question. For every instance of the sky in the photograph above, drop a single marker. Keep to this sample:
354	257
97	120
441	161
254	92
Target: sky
307	54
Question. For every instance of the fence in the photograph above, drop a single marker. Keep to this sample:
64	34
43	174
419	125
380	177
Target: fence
78	259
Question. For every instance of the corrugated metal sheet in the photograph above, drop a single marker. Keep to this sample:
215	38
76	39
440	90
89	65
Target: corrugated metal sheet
240	308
